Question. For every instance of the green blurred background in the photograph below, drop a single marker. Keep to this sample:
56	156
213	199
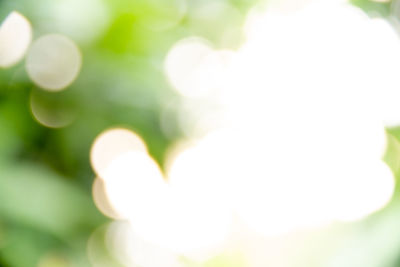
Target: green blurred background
46	209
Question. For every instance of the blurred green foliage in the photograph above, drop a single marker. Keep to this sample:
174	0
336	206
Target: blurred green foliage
45	175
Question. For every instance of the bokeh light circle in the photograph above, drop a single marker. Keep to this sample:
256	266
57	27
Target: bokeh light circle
182	64
51	111
102	201
113	143
53	62
15	38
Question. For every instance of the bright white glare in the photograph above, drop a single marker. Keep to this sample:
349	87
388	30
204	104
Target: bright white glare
202	168
307	104
134	184
175	218
53	62
101	200
370	189
52	117
85	20
132	250
323	102
15	37
112	143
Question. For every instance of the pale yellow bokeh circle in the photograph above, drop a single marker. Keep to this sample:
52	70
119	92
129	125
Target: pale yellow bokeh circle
112	143
53	62
15	37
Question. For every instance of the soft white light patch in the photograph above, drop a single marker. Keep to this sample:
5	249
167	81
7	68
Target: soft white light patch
98	254
53	62
182	64
210	18
84	21
15	37
132	250
195	69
